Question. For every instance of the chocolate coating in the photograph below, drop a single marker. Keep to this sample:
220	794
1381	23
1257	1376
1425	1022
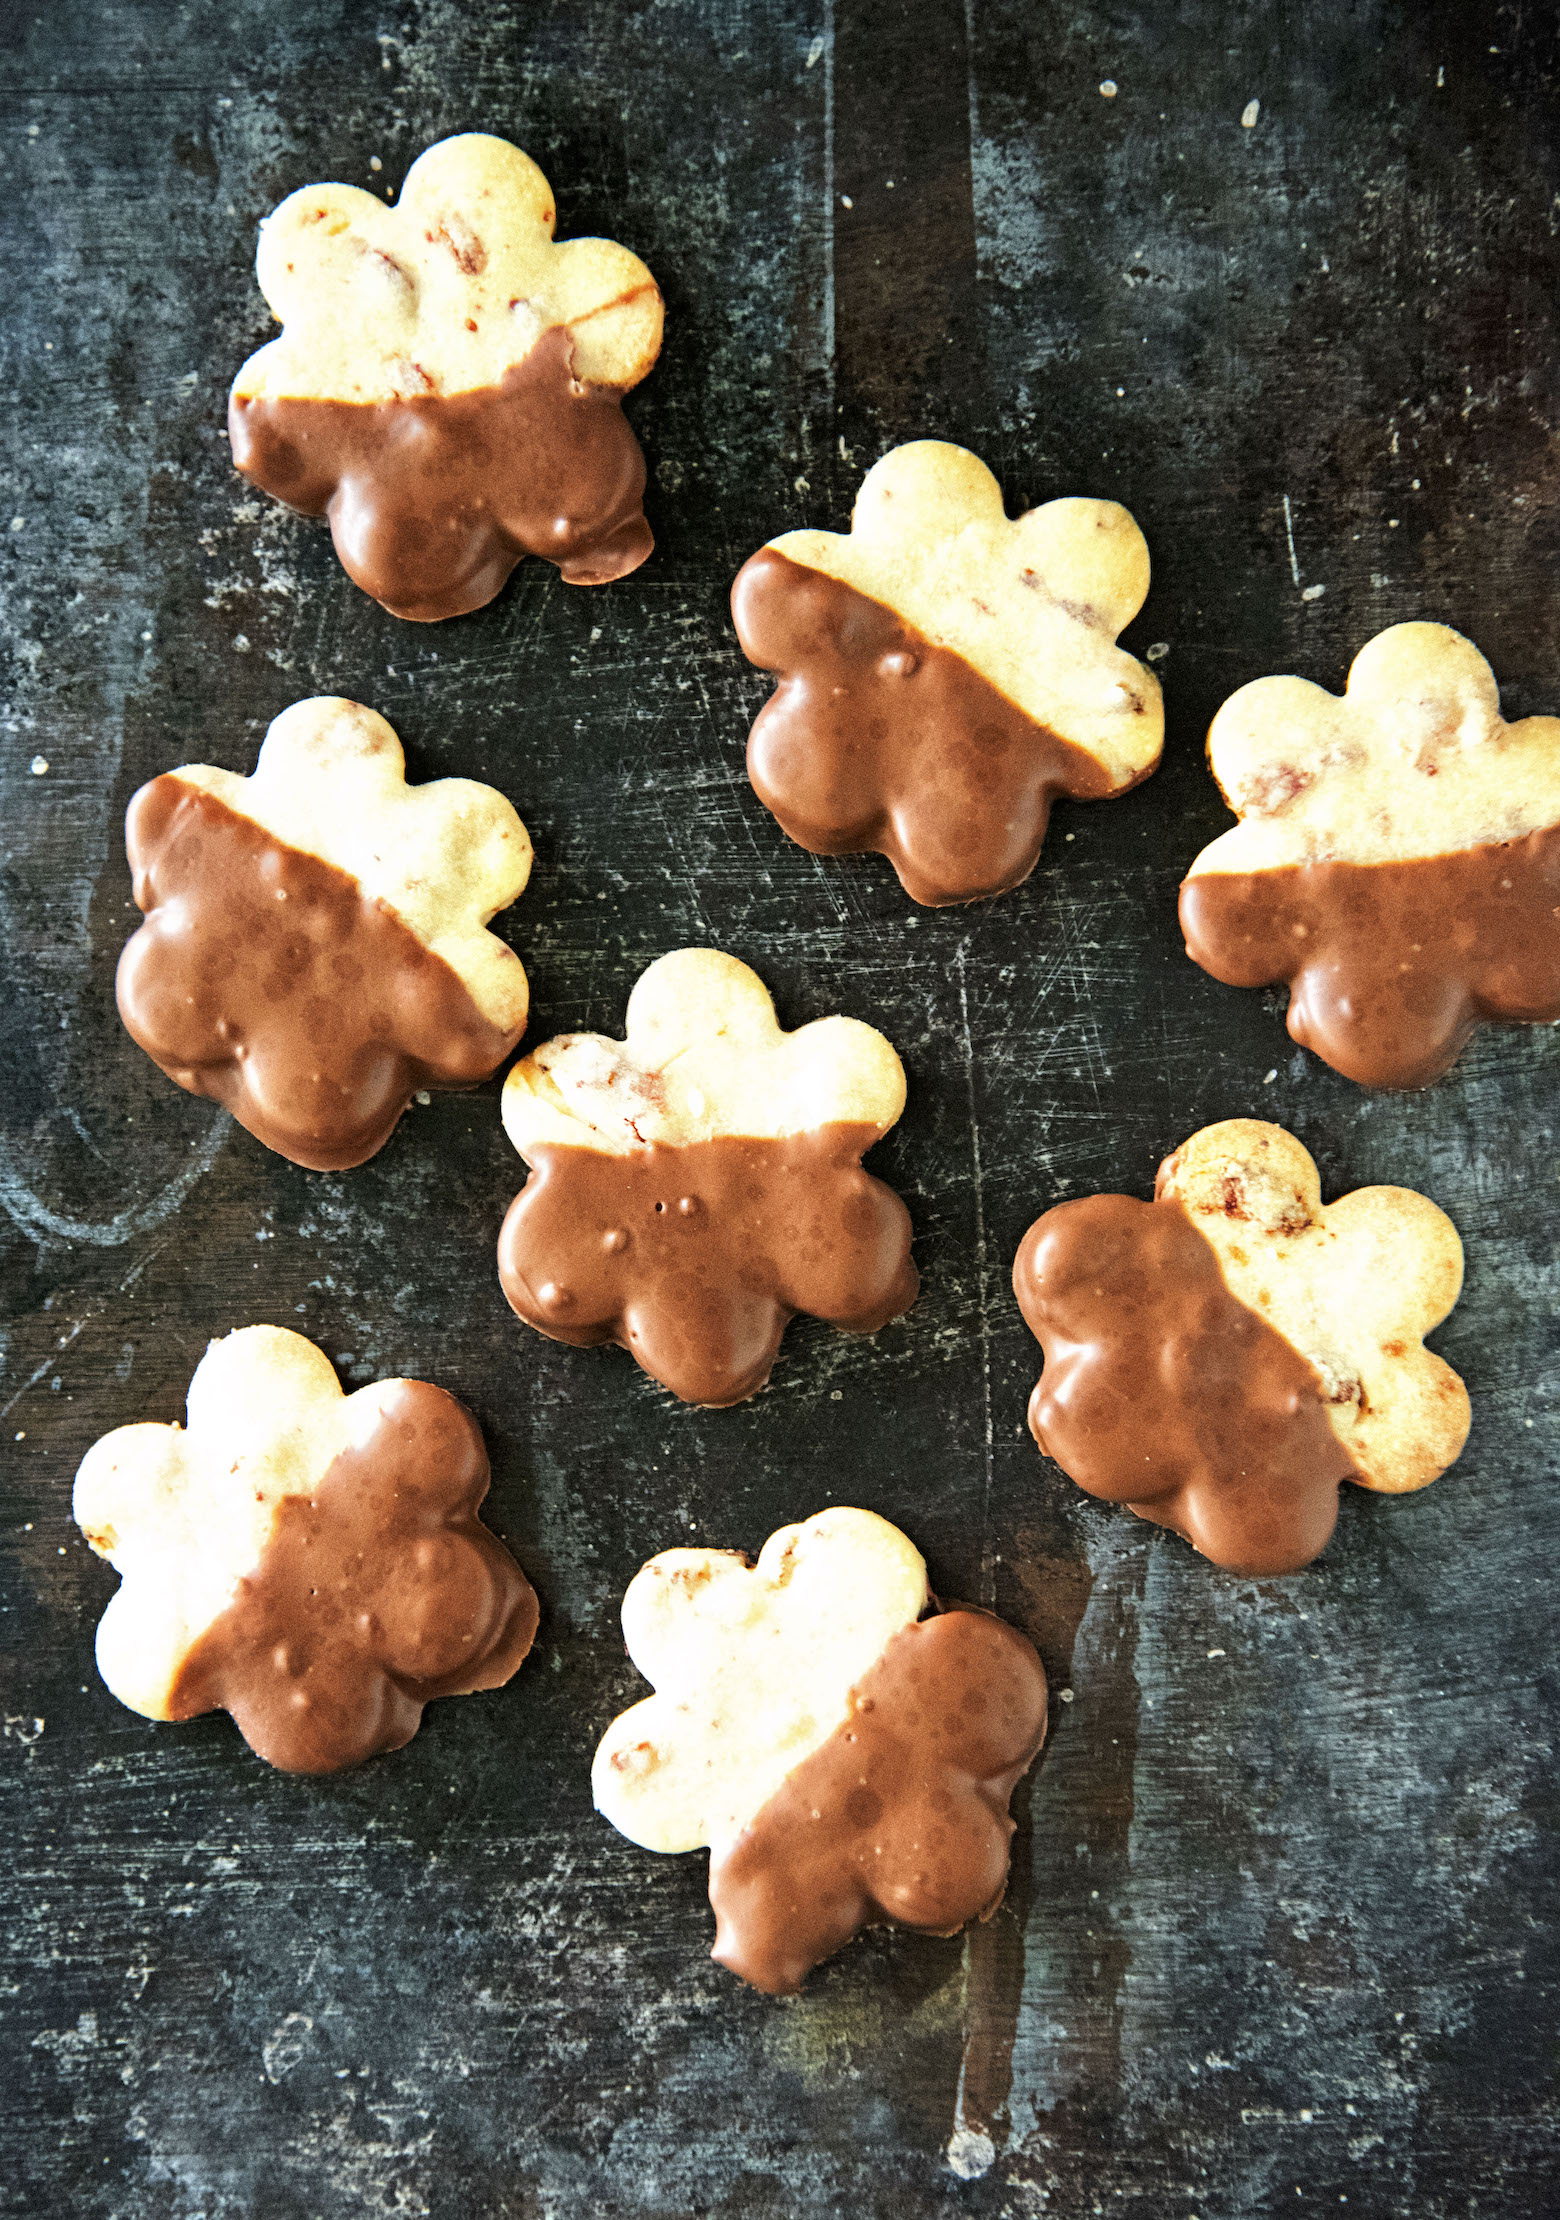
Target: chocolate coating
433	500
901	1816
696	1257
1390	966
266	979
377	1593
875	739
1161	1390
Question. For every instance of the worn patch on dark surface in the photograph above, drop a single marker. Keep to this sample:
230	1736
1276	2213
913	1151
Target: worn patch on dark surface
1284	1914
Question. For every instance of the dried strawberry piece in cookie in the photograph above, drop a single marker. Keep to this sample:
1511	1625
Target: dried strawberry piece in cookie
310	1562
945	674
1397	860
847	1760
697	1184
314	948
1221	1358
447	387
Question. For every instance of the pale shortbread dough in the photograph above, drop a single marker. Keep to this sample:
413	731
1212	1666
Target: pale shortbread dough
1033	605
445	291
183	1512
704	1057
1413	760
753	1671
1353	1286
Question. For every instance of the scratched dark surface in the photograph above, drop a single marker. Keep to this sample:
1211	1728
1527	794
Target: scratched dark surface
1281	1934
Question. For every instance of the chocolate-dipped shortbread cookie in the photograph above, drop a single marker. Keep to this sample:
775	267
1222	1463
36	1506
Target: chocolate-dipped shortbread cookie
1397	860
308	1561
847	1760
313	951
1221	1358
944	673
447	388
697	1184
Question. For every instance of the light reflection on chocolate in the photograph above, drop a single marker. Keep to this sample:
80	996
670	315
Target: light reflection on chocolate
375	1594
266	979
901	1816
695	1257
432	500
1392	965
875	739
1161	1390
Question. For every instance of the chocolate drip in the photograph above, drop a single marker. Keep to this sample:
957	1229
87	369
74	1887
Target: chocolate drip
433	500
1162	1391
1390	966
695	1257
875	739
268	980
380	1591
900	1817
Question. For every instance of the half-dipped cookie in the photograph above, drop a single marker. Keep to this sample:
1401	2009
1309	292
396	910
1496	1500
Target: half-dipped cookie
1221	1358
946	673
1397	860
308	1561
847	1759
448	383
698	1183
314	950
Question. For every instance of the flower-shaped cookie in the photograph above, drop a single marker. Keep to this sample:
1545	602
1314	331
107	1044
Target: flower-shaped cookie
946	673
696	1184
1221	1358
313	951
447	387
846	1760
310	1562
1397	860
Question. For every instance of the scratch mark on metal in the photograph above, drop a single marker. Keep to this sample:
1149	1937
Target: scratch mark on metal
43	1225
79	1328
828	197
982	1290
971	2147
38	1371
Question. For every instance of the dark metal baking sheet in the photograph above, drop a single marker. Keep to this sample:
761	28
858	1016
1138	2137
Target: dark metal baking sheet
1281	1932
